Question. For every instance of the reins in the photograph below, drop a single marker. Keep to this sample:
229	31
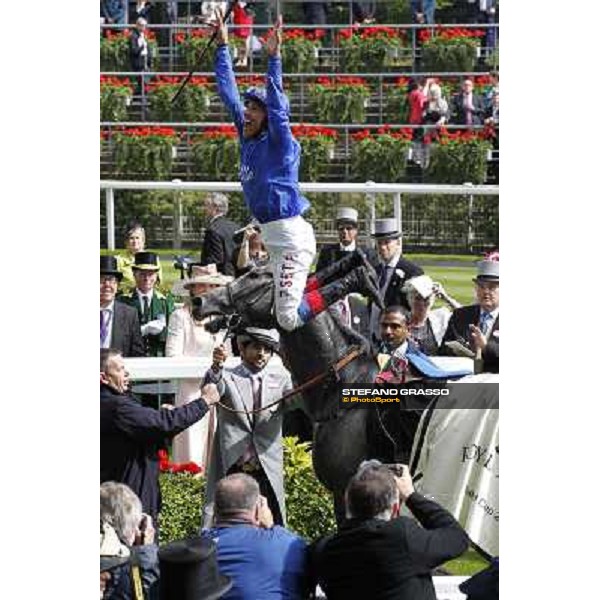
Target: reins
333	370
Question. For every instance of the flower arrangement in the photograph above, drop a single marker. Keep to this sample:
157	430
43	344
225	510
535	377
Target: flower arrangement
339	99
397	100
191	43
450	48
300	49
459	157
115	97
380	155
165	465
114	49
144	151
192	104
317	149
215	153
369	48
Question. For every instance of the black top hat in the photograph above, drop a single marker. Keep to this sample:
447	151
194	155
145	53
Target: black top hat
145	261
189	571
108	266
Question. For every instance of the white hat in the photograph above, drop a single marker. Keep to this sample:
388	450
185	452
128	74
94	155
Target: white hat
344	213
488	270
201	274
386	229
422	284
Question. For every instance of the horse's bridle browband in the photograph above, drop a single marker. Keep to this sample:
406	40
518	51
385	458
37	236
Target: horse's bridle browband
333	370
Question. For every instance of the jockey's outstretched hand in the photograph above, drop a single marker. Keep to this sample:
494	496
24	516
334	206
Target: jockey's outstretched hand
274	41
221	27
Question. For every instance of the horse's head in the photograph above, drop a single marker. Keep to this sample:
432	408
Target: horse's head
250	296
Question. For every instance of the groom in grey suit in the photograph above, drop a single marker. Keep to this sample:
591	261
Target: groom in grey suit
244	441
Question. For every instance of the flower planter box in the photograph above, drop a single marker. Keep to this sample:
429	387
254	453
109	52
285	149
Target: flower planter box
380	155
191	43
370	48
339	99
215	154
144	152
192	105
317	150
450	49
114	50
300	50
115	97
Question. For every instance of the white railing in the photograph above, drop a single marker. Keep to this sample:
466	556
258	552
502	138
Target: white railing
370	188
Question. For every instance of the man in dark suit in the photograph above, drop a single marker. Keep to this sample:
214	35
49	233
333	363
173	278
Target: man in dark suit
378	554
393	271
218	244
152	306
140	51
467	108
119	324
132	434
474	330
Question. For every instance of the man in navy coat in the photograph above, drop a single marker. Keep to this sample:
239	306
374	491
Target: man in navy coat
132	434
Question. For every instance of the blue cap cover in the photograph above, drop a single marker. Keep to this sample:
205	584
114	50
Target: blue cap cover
256	93
429	369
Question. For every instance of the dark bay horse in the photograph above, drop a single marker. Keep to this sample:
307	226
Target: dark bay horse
340	435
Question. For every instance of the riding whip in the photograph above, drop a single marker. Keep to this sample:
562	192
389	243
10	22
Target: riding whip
213	37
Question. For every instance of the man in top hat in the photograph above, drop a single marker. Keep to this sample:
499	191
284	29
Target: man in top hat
218	244
475	328
246	441
393	270
153	307
119	323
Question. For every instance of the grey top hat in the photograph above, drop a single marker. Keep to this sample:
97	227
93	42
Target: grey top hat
268	337
347	214
488	270
386	229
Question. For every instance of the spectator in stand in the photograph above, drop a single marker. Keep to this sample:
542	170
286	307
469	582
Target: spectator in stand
188	337
263	560
379	554
474	330
140	52
131	434
418	90
393	270
423	11
487	15
427	326
119	323
363	13
114	11
492	114
153	307
218	244
135	241
249	442
208	11
467	107
113	555
243	19
315	13
435	112
121	510
142	9
251	250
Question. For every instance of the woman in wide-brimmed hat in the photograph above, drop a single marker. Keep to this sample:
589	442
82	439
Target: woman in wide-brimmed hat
187	337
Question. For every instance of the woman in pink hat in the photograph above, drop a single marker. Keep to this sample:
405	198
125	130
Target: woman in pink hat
187	337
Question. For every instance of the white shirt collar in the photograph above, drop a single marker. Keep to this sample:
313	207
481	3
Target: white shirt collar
349	248
494	313
394	260
110	307
141	296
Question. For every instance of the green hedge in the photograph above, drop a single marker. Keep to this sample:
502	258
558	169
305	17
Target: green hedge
309	504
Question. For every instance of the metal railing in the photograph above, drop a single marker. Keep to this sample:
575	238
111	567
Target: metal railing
329	54
370	189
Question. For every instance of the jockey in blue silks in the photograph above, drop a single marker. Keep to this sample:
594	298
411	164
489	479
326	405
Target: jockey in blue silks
269	166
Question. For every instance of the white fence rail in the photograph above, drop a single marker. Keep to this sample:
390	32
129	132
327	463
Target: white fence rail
369	188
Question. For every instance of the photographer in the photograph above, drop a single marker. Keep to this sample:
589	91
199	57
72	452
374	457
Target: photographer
250	251
378	554
121	509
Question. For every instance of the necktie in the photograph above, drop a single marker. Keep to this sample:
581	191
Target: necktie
468	109
104	316
384	276
256	389
146	315
484	322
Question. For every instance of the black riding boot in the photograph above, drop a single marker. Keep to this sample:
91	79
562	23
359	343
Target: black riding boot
356	281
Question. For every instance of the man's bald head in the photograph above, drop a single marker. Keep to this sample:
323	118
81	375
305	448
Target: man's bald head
235	494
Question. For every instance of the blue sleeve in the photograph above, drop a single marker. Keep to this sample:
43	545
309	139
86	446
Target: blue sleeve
227	87
277	105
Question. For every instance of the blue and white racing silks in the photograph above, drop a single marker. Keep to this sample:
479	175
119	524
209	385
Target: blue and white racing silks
270	161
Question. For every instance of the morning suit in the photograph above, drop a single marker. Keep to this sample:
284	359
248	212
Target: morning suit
126	333
458	114
218	245
160	304
401	273
236	431
331	253
130	437
458	329
383	560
